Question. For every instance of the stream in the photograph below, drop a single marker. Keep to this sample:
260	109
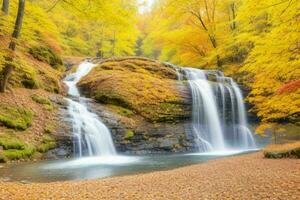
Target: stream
102	167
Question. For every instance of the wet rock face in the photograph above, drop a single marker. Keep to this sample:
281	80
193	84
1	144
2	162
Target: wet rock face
63	135
137	136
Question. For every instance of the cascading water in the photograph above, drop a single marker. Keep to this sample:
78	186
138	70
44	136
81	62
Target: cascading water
219	119
91	136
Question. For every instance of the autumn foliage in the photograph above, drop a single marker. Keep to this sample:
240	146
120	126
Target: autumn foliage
256	42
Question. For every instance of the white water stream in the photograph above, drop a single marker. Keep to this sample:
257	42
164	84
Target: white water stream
91	136
219	115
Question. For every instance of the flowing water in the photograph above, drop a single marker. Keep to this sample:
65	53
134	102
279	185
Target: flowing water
219	115
91	136
86	168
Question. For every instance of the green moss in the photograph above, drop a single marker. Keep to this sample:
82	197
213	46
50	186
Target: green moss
47	144
11	143
50	128
40	99
112	99
16	154
73	69
15	117
26	76
15	149
47	55
49	107
30	83
129	135
122	111
43	148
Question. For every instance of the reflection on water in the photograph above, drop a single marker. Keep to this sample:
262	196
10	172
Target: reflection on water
101	167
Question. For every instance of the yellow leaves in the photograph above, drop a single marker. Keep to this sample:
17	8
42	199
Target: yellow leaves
263	127
276	107
271	127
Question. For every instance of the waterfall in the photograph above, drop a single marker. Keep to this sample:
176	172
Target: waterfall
219	119
91	136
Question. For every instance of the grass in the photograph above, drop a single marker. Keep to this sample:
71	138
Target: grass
15	117
290	150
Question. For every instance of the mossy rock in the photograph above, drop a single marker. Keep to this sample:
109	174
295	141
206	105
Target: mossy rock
145	87
15	117
47	144
290	150
44	101
40	99
122	111
50	128
16	154
15	149
129	135
12	143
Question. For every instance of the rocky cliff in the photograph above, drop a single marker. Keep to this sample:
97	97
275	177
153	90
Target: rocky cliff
143	104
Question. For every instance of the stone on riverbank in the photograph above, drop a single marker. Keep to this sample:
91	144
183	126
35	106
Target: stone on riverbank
291	150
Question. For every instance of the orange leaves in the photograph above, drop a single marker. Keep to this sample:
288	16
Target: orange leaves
289	87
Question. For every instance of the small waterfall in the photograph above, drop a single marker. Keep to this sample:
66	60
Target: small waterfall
91	136
219	119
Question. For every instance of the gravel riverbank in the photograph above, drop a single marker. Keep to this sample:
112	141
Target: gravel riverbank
242	177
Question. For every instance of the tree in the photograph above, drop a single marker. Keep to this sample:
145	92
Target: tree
9	66
5	6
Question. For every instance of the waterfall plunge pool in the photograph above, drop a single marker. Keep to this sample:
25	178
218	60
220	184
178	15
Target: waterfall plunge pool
88	168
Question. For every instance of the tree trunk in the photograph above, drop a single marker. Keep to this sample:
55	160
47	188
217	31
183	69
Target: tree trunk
18	25
5	6
233	12
210	34
8	68
5	74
